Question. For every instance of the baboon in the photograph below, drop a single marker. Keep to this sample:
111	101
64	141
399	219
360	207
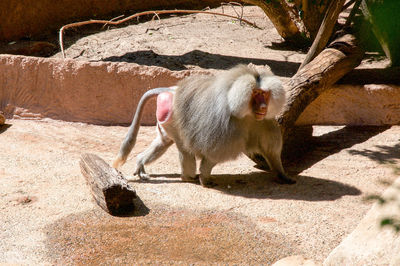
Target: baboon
214	119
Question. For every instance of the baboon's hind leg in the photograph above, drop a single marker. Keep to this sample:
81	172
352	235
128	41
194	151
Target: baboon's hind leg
157	148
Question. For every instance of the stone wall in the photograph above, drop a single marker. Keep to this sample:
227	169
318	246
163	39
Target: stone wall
349	104
70	90
107	93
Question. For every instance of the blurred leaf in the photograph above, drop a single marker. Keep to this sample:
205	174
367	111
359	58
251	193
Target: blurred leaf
377	198
387	221
392	222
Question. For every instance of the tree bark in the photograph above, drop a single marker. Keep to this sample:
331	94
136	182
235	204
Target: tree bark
311	13
325	30
296	21
108	186
339	58
279	14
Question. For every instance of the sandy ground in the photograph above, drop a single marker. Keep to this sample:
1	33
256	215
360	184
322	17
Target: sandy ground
189	42
48	215
198	41
47	211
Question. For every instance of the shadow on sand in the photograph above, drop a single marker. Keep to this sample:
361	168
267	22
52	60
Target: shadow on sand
319	147
260	184
202	59
3	128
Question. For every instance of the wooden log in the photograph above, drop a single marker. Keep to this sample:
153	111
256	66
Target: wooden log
278	12
109	187
325	30
2	119
339	58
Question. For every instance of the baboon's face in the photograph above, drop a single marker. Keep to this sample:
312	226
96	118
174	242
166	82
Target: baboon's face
259	103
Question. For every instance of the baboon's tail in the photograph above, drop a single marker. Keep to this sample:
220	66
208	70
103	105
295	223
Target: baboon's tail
130	139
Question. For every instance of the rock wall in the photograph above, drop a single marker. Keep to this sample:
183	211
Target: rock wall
98	93
107	93
345	104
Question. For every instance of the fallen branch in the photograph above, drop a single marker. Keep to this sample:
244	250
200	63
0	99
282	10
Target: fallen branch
352	13
159	12
339	58
347	5
109	187
233	4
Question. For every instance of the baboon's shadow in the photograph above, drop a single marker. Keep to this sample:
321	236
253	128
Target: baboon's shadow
260	184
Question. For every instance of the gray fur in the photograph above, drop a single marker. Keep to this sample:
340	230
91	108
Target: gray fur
213	121
203	118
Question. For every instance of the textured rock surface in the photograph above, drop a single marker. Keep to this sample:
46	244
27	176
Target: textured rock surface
369	244
370	104
93	92
107	93
296	260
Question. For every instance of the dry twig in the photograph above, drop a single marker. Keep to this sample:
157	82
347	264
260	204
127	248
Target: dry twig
233	4
352	13
106	22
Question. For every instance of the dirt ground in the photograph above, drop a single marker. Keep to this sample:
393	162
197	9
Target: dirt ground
49	217
189	42
199	41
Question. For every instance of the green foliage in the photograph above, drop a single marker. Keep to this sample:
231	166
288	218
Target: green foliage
384	21
379	199
394	223
389	221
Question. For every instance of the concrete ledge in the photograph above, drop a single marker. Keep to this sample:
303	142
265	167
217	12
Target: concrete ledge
107	93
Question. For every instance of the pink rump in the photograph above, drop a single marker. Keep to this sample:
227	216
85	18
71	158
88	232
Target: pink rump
164	107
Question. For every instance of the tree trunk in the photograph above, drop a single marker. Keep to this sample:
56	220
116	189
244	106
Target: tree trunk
325	30
296	21
339	58
311	13
279	13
